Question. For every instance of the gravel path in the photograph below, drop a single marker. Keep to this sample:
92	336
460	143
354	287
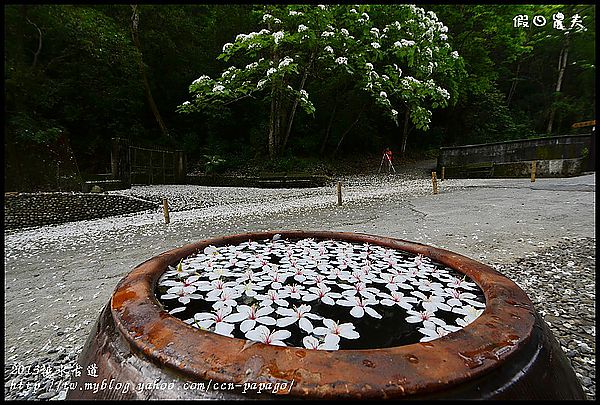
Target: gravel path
561	283
59	277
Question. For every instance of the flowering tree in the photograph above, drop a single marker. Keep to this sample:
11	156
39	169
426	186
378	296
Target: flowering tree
396	63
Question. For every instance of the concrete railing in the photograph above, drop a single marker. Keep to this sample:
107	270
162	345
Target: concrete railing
555	156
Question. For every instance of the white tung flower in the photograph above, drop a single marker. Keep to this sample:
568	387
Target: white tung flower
327	34
285	62
321	292
299	314
383	94
397	298
436	332
345	32
271	71
264	335
427	317
267	17
455	55
221	319
341	60
359	306
201	79
375	45
251	316
218	88
227	46
277	36
330	342
470	314
302	27
345	330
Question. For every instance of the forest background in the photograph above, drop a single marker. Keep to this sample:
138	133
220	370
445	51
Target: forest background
77	76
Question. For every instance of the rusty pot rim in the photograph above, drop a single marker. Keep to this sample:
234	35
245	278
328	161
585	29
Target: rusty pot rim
497	334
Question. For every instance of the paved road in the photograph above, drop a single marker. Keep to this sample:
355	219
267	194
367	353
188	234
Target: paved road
59	277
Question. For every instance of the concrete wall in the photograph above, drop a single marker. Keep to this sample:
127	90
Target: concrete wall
25	209
555	156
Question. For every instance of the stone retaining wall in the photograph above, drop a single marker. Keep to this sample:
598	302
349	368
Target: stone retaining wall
555	156
36	209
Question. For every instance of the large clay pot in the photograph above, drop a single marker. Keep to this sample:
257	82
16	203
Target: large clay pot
142	352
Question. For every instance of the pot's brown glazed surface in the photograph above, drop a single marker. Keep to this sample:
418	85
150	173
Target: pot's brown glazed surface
508	352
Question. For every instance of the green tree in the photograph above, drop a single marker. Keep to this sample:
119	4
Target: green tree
340	39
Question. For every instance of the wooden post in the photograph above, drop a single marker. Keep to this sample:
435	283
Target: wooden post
533	167
166	210
443	173
434	183
339	193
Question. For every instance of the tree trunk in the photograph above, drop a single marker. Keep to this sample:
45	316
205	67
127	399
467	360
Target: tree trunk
562	65
347	131
135	19
405	131
328	132
514	85
293	112
275	123
272	134
39	49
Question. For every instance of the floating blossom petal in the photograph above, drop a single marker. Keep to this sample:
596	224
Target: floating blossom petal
426	317
273	297
205	320
431	302
457	297
436	332
397	298
321	292
470	314
233	276
359	306
250	316
300	314
264	335
330	342
345	330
